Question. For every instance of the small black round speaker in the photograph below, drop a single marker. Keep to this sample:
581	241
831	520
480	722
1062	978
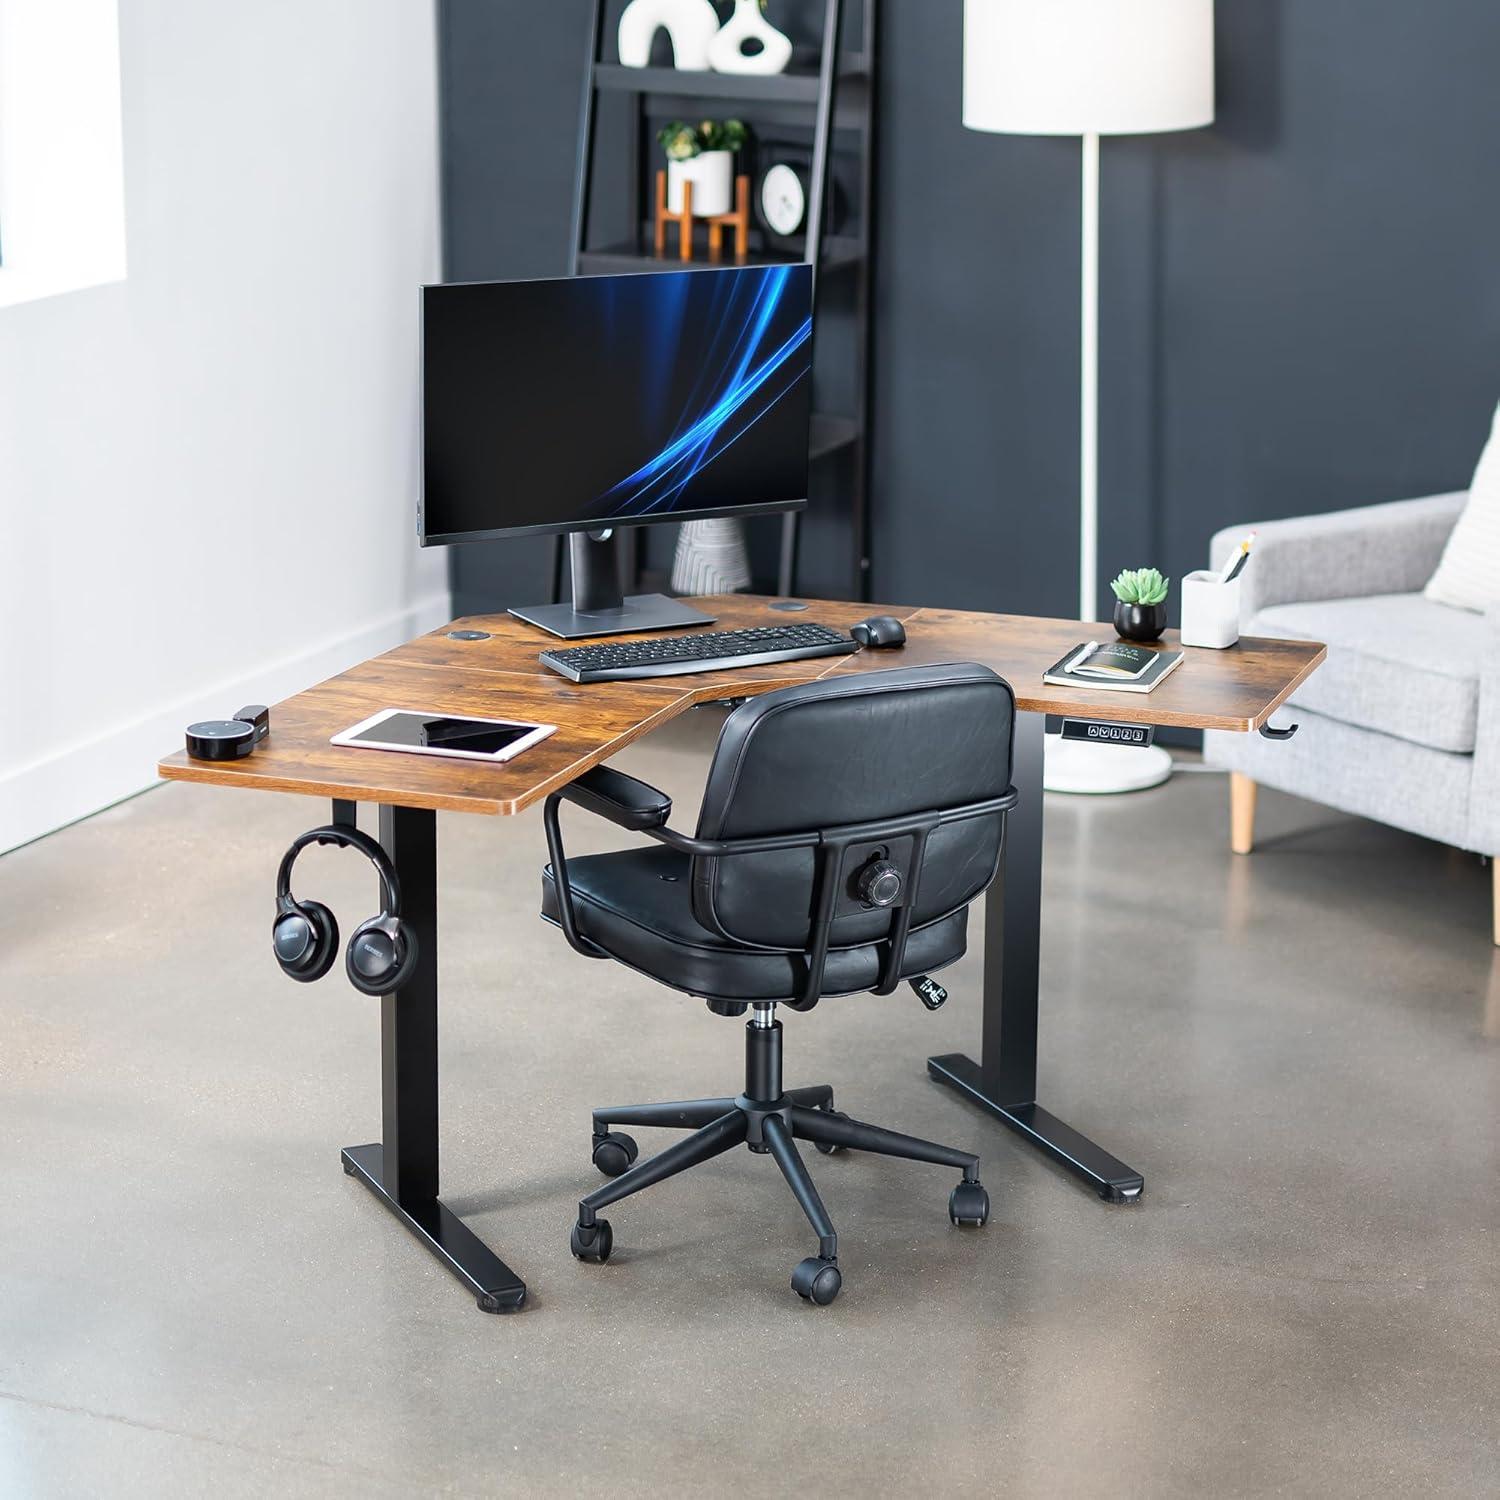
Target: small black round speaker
220	739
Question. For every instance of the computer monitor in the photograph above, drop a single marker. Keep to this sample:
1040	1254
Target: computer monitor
585	404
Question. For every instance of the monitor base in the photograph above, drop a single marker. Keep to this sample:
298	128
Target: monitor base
637	612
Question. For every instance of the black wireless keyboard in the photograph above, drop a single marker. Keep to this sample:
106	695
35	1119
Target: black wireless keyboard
672	655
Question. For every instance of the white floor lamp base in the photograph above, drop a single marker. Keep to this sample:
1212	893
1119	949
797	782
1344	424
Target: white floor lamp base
1074	766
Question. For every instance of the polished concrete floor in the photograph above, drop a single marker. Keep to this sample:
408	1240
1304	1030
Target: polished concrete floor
1299	1051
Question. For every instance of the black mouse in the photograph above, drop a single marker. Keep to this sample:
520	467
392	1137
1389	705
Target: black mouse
879	631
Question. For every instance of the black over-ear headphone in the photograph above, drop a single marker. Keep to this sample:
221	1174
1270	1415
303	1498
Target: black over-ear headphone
305	936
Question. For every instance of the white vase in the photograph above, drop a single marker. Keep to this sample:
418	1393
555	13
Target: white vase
691	24
712	176
726	52
710	558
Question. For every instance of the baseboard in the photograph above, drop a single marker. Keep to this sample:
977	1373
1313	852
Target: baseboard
92	774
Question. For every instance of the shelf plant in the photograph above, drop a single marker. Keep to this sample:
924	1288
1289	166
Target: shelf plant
682	142
702	154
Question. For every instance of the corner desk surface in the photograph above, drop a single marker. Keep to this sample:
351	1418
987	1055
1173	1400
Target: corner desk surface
1234	689
500	676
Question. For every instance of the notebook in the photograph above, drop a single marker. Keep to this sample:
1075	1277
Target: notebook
1117	667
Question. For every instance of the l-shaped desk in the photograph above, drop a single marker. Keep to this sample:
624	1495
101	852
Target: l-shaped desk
498	675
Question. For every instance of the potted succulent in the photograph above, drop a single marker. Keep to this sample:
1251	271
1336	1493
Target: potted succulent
1141	604
702	154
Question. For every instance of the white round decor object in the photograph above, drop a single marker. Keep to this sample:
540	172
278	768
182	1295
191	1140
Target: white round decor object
1088	769
783	199
726	52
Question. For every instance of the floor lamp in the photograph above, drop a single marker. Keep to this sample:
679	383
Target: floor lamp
1090	68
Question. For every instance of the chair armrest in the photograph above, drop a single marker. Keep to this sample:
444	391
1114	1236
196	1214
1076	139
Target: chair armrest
1346	554
623	800
626	802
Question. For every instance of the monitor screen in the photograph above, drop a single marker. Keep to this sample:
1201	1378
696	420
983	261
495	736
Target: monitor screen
594	401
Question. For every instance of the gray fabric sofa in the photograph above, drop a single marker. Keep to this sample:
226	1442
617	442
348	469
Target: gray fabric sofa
1402	722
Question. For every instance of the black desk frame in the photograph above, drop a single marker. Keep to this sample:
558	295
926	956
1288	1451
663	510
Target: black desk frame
401	1169
1003	1081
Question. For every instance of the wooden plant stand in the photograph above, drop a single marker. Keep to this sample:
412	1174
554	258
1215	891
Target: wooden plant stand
738	220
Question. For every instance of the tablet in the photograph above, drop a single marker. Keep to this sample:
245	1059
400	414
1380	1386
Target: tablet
420	733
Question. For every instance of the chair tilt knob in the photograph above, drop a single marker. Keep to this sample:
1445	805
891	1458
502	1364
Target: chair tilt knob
879	884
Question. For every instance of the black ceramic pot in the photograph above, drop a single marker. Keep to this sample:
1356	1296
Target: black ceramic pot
1140	622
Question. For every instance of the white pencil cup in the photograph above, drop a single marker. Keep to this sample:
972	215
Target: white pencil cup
1210	611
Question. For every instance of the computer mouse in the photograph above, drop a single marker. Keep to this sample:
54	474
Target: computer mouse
879	631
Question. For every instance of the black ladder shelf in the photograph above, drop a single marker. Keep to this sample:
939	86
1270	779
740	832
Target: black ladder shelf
832	94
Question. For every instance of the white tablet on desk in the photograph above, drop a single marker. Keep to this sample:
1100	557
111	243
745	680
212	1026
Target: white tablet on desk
419	733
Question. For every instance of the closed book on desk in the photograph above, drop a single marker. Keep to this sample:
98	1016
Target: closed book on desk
1117	668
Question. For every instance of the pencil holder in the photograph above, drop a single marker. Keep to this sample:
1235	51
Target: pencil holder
1210	611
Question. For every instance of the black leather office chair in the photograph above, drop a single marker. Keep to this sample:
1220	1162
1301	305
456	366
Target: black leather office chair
846	826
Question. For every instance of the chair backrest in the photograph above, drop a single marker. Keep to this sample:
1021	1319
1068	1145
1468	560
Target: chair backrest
891	750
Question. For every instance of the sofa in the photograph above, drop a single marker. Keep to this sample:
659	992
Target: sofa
1401	723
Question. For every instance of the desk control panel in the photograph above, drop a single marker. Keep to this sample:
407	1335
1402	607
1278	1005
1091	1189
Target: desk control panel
1101	732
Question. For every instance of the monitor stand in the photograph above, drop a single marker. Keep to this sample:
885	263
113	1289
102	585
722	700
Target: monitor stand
598	606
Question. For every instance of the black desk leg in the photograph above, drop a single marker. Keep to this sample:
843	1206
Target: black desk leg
402	1168
1004	1080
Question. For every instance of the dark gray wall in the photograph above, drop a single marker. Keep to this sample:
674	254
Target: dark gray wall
1301	305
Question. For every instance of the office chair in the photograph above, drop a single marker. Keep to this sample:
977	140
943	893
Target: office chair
846	825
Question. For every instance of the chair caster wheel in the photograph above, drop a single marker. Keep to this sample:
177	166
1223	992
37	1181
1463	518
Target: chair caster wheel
827	1148
614	1153
817	1280
968	1203
593	1242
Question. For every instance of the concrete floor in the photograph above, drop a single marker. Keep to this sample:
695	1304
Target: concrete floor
1298	1050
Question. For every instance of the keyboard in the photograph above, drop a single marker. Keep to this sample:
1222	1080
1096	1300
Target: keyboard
711	651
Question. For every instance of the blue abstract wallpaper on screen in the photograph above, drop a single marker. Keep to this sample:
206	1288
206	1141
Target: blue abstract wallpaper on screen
615	398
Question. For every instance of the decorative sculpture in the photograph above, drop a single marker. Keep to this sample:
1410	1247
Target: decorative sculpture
726	52
691	24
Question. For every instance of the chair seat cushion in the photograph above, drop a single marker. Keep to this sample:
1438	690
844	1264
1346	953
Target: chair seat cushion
637	906
1397	663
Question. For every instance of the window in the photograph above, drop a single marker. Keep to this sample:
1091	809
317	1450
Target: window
62	180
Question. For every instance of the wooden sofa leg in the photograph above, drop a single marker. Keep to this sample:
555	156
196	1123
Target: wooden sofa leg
1242	821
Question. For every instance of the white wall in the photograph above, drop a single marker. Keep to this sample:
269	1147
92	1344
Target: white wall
208	471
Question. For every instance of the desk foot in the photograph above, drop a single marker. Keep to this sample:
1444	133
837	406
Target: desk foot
1110	1178
495	1286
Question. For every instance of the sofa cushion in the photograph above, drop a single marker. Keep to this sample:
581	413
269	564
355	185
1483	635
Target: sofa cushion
1468	573
1397	663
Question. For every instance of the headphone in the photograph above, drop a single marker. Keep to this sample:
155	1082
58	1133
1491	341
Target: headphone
305	936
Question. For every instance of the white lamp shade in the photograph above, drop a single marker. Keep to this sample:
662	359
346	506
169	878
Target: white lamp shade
1088	67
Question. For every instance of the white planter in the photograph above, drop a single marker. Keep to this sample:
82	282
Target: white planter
691	24
726	51
712	176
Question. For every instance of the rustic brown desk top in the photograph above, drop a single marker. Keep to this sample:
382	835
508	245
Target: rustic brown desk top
501	677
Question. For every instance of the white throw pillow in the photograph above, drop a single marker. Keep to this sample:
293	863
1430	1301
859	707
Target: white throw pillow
1468	576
